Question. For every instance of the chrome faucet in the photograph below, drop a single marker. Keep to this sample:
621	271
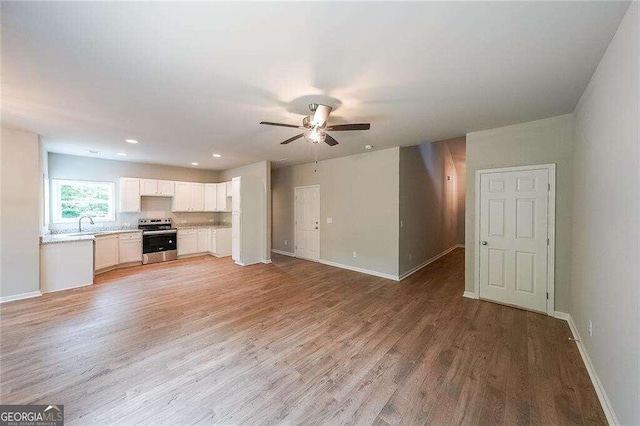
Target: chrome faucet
80	222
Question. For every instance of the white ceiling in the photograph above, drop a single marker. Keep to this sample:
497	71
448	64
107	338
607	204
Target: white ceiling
191	79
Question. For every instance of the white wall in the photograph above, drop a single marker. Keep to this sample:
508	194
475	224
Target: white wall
361	194
19	212
262	171
538	142
606	188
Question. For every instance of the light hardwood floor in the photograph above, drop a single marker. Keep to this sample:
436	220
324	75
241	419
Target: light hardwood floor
205	341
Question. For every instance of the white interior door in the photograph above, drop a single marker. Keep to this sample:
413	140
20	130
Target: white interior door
307	222
514	236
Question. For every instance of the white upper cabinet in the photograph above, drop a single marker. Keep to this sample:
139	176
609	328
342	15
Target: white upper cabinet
129	195
210	197
229	188
235	197
182	197
188	197
156	188
148	187
224	202
166	188
197	197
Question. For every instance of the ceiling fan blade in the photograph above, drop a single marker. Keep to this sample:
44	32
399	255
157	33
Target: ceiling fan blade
343	127
292	139
330	141
269	123
321	115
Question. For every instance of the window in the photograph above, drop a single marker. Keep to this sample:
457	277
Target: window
72	199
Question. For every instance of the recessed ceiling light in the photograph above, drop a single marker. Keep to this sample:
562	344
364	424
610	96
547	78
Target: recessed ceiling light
194	164
94	152
368	146
131	141
217	155
122	154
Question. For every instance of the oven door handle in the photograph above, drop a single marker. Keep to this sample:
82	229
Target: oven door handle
166	231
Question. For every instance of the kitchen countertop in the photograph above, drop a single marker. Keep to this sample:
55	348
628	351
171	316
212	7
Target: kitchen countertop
81	236
200	226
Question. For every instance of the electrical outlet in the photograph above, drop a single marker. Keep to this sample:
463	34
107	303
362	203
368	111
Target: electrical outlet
286	242
127	224
402	224
410	256
590	329
329	220
355	254
212	220
183	221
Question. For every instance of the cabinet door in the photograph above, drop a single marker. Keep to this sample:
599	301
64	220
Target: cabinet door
106	252
197	197
235	198
148	187
182	197
165	188
130	249
129	195
229	186
187	242
221	197
203	240
213	248
210	197
236	249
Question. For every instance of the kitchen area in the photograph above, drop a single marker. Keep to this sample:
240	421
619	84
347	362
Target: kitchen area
156	220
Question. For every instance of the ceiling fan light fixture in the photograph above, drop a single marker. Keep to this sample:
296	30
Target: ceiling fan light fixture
315	136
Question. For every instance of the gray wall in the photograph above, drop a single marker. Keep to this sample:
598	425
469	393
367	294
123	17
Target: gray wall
261	170
19	212
538	142
85	168
361	194
428	203
606	187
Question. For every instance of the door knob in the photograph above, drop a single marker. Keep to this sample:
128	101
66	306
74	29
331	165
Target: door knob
484	243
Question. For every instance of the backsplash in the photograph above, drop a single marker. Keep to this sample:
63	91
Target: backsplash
151	207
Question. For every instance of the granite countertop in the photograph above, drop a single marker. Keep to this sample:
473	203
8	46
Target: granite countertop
81	236
202	225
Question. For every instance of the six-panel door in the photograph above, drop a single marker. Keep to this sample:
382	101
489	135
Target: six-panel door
513	237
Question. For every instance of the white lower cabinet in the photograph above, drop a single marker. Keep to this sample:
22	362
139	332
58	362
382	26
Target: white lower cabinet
221	242
204	240
107	251
130	247
187	241
66	265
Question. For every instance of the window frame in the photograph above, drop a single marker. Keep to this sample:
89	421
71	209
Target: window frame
56	202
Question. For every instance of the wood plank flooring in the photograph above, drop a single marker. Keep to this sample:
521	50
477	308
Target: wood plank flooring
204	341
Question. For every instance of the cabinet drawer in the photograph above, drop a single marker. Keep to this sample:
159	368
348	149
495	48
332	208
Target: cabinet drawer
132	236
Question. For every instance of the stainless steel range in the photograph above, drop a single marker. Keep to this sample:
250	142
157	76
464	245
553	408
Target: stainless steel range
159	240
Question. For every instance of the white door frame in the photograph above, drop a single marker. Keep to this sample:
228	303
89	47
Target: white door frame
551	228
295	215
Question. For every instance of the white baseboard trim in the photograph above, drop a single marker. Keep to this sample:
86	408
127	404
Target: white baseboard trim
422	265
21	296
285	253
267	261
362	270
459	245
469	295
597	384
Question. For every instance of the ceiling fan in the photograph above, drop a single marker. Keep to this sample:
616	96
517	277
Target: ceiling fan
316	126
